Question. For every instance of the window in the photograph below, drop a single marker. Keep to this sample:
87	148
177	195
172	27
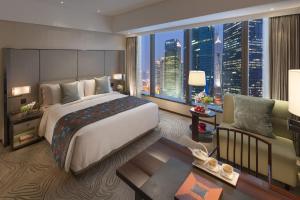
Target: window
169	65
145	64
230	54
255	43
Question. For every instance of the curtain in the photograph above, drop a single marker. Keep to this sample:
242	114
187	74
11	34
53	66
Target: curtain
131	65
284	53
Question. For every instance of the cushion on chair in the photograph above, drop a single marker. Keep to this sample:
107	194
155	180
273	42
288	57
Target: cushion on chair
253	114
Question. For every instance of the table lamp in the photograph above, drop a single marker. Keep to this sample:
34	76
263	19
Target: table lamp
294	102
197	78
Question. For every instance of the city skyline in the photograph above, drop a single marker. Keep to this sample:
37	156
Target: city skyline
217	50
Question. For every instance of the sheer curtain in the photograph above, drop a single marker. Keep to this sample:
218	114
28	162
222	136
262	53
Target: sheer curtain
284	53
131	66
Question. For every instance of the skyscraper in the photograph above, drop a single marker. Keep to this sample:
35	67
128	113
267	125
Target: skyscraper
203	55
173	79
218	60
255	57
232	58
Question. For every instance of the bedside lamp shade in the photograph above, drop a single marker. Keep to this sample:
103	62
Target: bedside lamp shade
294	92
197	78
16	91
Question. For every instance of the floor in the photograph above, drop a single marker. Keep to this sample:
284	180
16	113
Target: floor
31	173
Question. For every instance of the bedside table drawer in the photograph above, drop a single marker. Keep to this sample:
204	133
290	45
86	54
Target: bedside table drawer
25	126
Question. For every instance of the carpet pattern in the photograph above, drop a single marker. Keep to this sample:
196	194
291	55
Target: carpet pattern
31	172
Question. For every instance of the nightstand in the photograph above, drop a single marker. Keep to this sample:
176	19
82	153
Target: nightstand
23	129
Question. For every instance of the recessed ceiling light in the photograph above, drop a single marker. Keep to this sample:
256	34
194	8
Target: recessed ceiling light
98	11
128	33
272	9
62	2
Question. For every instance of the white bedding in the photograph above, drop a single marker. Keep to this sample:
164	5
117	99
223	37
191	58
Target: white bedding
94	141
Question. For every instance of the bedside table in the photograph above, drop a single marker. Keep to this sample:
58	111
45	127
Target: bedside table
207	136
23	129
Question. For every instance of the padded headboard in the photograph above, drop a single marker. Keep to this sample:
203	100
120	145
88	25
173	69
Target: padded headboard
91	64
34	66
58	65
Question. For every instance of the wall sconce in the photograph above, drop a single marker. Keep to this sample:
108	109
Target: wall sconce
118	76
17	91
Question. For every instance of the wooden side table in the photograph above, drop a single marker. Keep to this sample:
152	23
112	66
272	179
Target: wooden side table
208	135
24	126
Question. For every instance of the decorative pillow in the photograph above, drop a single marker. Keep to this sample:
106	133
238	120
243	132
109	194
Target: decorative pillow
102	85
89	87
253	114
50	94
81	88
69	92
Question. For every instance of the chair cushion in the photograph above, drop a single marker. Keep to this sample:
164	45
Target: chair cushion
69	92
253	114
284	157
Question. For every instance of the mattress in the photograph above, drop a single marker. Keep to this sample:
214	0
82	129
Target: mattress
94	141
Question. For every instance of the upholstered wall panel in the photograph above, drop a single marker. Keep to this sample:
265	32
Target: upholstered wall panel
22	70
91	64
58	65
114	62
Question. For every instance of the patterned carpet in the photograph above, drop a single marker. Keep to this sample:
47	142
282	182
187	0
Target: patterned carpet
31	173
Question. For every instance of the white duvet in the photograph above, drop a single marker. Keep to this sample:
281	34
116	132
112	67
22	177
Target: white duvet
94	141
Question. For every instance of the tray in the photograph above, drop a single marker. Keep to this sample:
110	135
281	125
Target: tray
202	166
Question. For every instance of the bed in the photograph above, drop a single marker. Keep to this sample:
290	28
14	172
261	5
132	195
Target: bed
94	141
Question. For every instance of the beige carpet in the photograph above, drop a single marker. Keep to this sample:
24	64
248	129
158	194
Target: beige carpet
31	173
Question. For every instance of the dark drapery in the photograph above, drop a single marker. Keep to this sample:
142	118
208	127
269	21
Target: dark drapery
284	53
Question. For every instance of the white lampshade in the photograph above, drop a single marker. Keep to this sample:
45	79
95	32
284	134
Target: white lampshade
294	92
197	78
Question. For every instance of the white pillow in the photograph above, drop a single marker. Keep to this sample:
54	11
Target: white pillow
81	88
51	94
89	87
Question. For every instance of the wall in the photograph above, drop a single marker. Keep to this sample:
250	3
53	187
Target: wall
22	35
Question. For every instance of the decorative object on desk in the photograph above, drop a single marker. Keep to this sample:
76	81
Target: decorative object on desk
120	88
294	106
202	128
197	188
232	179
197	78
199	109
17	91
203	98
201	153
27	108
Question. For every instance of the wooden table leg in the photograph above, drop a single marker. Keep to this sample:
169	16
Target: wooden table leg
195	121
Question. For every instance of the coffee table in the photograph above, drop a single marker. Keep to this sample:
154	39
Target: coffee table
149	174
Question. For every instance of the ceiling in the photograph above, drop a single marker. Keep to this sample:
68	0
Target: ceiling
106	7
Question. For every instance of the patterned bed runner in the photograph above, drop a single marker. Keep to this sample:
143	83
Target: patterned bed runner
68	125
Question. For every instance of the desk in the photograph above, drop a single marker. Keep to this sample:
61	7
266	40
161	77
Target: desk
137	171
